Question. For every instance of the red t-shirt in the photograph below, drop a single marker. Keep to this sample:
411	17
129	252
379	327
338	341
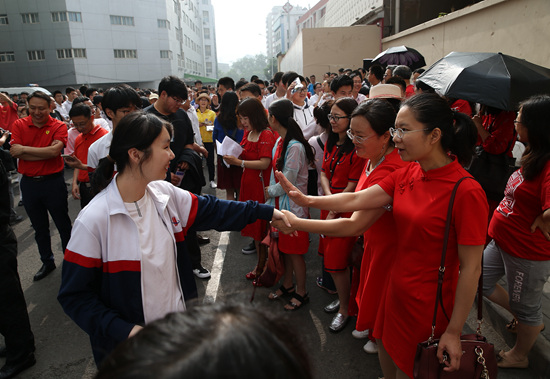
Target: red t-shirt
524	200
341	169
420	203
409	91
462	106
82	145
503	133
8	115
25	133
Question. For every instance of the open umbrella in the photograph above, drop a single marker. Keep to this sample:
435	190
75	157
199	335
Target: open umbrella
493	79
400	55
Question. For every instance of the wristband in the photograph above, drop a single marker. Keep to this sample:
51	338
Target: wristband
242	163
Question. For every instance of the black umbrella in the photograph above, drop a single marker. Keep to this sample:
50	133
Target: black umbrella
400	55
493	79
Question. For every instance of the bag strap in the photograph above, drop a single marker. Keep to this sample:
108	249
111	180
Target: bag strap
441	273
320	142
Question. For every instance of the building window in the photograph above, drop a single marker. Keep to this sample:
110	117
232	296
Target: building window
122	20
208	67
205	16
207	33
64	16
163	24
30	18
71	53
208	50
36	55
7	56
4	19
165	54
125	54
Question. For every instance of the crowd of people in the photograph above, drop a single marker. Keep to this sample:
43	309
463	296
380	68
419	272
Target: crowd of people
378	151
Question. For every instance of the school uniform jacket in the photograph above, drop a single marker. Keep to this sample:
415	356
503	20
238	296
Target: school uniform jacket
101	278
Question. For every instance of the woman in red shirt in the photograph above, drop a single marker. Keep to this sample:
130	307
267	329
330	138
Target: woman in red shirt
255	160
437	141
339	173
520	230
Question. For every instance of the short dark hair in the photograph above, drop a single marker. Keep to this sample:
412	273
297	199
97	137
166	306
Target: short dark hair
83	89
89	91
277	77
377	71
212	341
403	72
253	78
120	96
258	82
80	99
379	113
397	80
339	82
288	77
56	92
227	82
173	86
97	99
240	83
40	95
68	90
252	88
80	110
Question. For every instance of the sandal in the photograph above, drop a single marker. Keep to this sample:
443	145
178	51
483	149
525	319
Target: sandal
283	291
503	362
293	306
511	326
251	275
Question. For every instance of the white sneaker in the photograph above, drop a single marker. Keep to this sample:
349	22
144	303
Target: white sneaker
201	273
213	184
360	334
371	347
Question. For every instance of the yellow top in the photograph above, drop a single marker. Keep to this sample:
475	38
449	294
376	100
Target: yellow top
206	118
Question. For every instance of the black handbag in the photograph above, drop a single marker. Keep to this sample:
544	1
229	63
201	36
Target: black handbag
492	171
478	359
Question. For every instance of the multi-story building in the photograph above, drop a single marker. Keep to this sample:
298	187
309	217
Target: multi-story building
57	43
209	38
311	18
281	28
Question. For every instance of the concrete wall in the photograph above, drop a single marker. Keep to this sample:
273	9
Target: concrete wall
318	50
515	27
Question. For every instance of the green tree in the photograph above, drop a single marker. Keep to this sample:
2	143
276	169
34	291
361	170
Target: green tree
249	65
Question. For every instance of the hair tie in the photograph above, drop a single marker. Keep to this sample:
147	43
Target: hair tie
110	159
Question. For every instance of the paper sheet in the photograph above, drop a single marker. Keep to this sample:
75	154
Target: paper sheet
228	147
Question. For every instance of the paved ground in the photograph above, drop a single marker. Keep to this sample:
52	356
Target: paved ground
63	349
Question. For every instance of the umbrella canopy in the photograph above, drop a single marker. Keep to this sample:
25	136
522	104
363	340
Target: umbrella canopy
493	79
400	55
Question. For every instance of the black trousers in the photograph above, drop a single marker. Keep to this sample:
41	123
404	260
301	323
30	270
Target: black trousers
209	146
14	319
193	248
86	193
45	196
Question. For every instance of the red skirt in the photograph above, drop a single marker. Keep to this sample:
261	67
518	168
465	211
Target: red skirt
295	245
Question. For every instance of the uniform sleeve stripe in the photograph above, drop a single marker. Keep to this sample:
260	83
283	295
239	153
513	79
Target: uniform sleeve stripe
180	236
192	211
119	266
71	256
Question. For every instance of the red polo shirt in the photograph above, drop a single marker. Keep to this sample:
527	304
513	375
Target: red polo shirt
8	115
81	146
25	133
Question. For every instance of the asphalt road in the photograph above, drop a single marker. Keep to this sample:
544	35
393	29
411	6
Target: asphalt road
63	349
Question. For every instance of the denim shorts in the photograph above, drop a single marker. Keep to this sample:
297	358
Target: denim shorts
525	279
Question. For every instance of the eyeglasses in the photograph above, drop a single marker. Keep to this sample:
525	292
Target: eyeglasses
400	133
80	124
334	118
177	99
301	90
357	139
516	122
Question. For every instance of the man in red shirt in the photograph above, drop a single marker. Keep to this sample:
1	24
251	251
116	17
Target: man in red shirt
83	120
37	141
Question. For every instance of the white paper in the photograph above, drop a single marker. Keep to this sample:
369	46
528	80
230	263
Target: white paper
228	147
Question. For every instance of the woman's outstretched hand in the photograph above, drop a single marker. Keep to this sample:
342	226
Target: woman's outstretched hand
293	193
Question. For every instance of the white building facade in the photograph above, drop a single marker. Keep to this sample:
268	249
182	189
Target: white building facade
281	28
57	43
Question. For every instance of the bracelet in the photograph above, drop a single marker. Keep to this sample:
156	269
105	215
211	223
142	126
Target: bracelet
242	163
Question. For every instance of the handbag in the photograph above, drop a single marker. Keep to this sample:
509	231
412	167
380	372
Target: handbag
492	171
478	359
274	267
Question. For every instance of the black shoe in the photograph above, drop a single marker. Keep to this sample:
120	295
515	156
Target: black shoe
249	249
202	240
43	272
15	219
3	352
11	370
20	204
201	273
